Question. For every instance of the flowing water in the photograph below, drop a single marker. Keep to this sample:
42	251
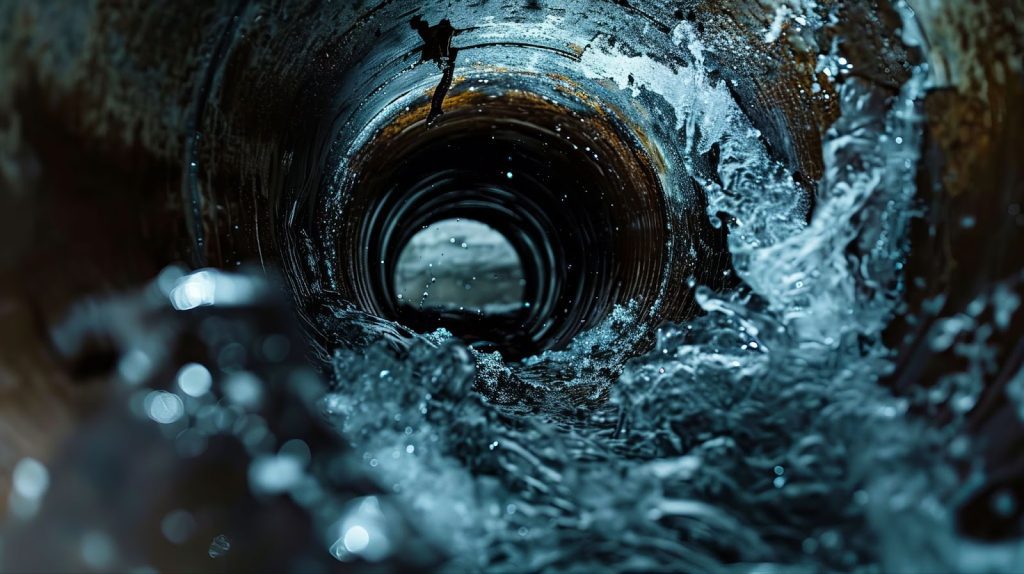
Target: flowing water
754	436
756	433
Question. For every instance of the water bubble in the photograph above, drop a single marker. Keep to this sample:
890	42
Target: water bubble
298	449
194	380
356	539
243	389
362	532
178	526
272	474
168	278
1004	503
164	407
135	366
193	291
30	479
98	550
231	357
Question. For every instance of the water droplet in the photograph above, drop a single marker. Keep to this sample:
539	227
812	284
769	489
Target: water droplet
243	389
178	526
98	550
164	407
31	479
219	546
194	380
356	539
272	474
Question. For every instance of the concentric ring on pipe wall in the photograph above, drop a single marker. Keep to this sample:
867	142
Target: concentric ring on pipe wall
567	184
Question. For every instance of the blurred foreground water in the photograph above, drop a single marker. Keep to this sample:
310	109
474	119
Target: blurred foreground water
260	418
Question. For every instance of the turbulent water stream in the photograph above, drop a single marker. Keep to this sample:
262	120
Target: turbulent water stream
752	436
756	433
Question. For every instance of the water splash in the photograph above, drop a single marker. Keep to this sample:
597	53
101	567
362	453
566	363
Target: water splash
757	433
755	437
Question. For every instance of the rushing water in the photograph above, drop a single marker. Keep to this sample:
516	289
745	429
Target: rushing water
756	433
754	437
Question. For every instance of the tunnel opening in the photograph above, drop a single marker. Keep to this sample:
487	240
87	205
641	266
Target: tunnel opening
566	187
464	275
756	432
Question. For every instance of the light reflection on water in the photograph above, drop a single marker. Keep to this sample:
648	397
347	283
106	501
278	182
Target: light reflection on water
756	435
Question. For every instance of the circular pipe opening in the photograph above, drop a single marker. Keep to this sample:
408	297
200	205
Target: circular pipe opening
462	274
564	184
